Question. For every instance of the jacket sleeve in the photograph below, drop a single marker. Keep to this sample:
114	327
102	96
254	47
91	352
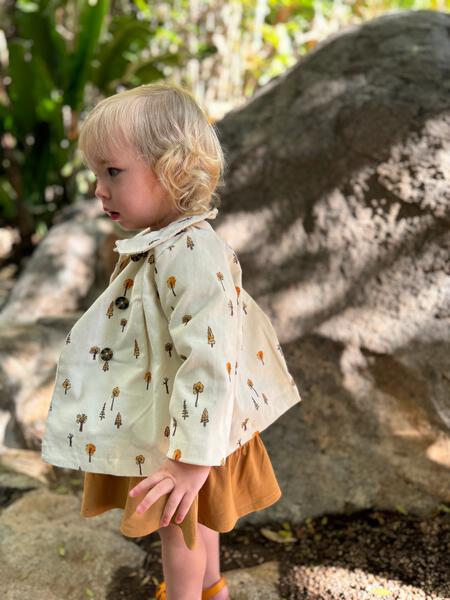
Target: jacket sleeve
198	297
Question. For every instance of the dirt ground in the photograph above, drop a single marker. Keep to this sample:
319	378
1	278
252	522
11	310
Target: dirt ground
364	555
360	556
412	554
367	554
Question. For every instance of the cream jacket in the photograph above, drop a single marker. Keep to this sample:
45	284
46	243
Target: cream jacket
174	359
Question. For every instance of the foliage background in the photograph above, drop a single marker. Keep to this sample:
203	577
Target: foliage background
59	57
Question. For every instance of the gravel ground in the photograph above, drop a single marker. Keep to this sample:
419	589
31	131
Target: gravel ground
366	555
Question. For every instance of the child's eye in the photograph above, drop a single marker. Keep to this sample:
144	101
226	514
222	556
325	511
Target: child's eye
112	169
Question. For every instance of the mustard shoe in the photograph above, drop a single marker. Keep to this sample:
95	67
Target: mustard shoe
206	593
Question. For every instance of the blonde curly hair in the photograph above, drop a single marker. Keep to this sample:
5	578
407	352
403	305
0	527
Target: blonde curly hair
170	132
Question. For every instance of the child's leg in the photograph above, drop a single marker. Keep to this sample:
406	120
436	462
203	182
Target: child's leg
211	542
183	568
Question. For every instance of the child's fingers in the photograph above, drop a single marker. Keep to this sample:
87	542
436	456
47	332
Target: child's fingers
184	506
170	508
164	486
147	483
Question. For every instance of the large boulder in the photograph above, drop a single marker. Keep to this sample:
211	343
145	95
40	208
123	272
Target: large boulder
67	271
338	205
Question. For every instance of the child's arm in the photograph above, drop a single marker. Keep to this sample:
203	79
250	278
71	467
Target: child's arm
198	297
195	287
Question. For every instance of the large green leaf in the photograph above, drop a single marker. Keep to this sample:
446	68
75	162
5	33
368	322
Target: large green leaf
91	22
40	28
21	88
114	58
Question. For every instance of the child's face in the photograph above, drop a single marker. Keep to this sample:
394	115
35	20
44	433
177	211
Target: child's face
130	188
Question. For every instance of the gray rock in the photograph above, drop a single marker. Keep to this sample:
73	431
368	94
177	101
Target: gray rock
254	583
337	202
338	206
48	548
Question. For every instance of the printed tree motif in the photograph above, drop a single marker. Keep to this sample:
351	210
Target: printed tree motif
94	350
244	424
66	385
183	356
211	339
114	394
136	349
230	306
166	431
171	281
260	356
235	258
118	420
204	419
70	436
90	449
151	261
239	443
244	306
105	366
197	388
250	385
165	380
140	459
171	246
189	242
219	276
127	284
102	414
176	454
228	367
238	292
110	311
147	377
174	425
123	322
184	412
255	403
81	419
68	337
235	367
168	347
186	319
265	398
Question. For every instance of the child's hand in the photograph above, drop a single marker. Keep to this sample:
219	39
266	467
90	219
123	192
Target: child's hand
182	479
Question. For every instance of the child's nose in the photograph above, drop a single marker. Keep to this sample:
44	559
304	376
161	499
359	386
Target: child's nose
100	191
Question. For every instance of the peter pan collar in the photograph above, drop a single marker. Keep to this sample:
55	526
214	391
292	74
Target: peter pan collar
146	239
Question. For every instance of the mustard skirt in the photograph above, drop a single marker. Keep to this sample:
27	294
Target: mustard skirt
245	483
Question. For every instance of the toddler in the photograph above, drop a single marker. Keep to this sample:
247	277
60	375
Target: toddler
164	384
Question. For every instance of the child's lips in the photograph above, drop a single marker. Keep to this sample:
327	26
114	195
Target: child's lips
113	214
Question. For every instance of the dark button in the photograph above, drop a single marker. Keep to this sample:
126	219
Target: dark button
122	302
106	354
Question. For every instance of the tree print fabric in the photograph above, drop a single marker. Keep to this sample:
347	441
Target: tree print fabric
174	359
